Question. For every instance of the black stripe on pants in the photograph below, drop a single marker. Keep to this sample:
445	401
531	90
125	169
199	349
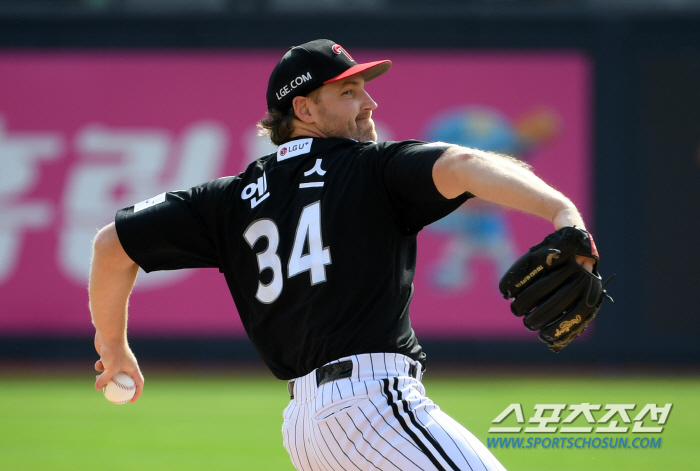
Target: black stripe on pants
397	413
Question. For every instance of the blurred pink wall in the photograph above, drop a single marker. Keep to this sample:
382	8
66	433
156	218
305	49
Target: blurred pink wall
84	134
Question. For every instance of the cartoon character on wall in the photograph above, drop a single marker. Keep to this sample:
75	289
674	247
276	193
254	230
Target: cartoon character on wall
479	230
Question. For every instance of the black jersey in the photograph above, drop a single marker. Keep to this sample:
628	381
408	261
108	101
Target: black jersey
317	244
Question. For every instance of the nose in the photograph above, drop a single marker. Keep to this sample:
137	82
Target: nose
368	103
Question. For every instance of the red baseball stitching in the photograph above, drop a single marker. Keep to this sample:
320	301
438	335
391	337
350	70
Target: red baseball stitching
120	386
123	386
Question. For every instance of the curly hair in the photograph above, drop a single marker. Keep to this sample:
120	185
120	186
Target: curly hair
278	125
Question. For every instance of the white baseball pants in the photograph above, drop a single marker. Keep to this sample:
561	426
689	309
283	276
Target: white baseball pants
377	419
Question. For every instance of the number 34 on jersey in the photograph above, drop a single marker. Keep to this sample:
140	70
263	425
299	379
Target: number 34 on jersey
308	234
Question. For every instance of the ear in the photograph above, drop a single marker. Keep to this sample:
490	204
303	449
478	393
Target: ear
302	110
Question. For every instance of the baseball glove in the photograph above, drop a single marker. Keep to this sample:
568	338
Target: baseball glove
556	295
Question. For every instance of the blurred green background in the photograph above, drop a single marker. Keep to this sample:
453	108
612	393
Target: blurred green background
231	419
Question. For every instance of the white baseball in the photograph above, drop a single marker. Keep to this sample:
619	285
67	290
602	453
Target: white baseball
120	389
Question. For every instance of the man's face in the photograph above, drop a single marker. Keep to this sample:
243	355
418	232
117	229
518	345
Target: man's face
344	109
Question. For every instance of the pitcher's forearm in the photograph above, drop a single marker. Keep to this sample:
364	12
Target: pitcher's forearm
503	181
112	277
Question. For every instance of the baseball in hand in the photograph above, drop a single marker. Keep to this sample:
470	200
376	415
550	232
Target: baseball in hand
120	389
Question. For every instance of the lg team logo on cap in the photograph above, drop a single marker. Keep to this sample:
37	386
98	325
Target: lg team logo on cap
340	49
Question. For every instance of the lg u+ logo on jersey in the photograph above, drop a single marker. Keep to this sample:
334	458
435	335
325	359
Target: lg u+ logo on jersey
294	148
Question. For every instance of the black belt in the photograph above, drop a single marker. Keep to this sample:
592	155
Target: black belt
336	371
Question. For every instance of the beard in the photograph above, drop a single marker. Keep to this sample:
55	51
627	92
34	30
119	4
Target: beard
361	129
367	132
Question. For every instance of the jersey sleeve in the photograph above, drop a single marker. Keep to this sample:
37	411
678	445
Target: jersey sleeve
176	229
407	174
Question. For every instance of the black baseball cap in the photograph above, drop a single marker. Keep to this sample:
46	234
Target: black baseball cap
311	65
